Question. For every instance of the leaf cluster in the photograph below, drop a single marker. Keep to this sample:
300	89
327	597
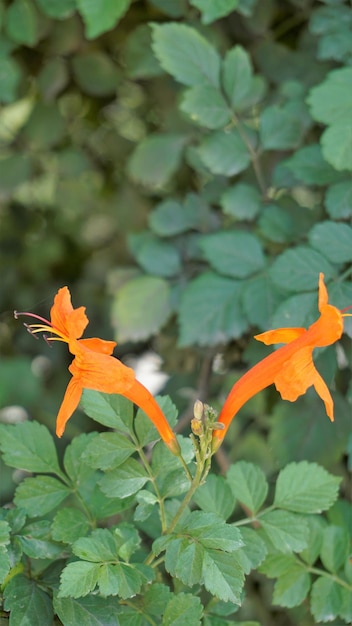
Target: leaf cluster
118	534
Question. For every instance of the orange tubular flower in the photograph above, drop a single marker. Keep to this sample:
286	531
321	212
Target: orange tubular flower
93	366
291	367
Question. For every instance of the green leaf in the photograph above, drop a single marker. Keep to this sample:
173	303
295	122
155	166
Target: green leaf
248	485
141	307
222	576
111	410
45	127
40	495
90	611
108	450
138	57
145	429
29	446
125	480
253	552
156	159
183	608
287	532
298	269
4	532
69	524
338	200
331	101
242	89
78	579
186	55
10	78
279	129
333	240
36	541
212	10
335	548
223	152
316	525
99	18
336	144
14	170
58	9
306	488
241	201
95	73
233	253
53	78
99	546
292	587
21	23
326	599
171	218
5	563
215	496
27	602
260	299
123	579
156	257
309	166
206	106
222	319
298	310
276	224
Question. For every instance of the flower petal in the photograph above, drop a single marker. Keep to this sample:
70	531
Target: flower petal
69	404
280	335
98	345
68	321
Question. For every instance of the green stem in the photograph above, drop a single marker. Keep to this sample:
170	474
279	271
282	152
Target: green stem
196	481
321	572
253	154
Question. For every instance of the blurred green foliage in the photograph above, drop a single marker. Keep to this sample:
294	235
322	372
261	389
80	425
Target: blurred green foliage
185	167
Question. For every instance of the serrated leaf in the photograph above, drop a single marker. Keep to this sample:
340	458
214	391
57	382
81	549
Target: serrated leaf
306	488
171	218
336	144
338	200
331	101
125	480
233	253
21	23
27	602
335	548
212	10
111	410
222	576
138	57
215	496
297	269
223	152
78	579
309	166
99	546
316	525
288	532
75	465
299	310
29	446
99	18
206	106
279	129
182	608
39	495
123	579
5	563
241	201
326	599
69	524
333	240
241	87
186	54
4	532
292	587
212	532
254	551
155	256
90	611
222	319
108	450
156	159
248	485
141	308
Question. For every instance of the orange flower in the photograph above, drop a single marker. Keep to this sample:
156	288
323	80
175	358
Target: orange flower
291	367
93	366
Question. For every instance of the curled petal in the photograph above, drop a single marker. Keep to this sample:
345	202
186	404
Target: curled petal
69	404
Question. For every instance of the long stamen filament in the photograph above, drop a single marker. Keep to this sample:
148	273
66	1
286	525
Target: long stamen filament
17	314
